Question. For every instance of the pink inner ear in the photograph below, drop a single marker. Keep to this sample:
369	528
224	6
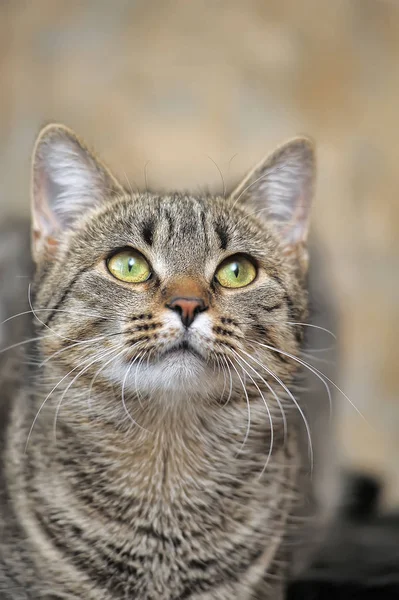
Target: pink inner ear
280	189
295	230
44	221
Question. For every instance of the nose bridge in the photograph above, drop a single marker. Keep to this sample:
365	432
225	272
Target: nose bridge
185	287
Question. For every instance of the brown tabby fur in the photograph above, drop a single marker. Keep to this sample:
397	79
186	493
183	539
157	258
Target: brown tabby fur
159	482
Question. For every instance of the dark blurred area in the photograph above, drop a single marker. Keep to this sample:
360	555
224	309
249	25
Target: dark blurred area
165	89
359	559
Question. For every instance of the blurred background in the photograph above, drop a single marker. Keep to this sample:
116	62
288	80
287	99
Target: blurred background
159	87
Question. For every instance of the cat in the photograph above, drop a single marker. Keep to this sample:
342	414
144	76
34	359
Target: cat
152	446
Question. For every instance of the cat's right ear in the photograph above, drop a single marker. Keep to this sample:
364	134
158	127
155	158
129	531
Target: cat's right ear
67	181
279	190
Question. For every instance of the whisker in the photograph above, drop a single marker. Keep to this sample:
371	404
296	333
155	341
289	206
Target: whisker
231	382
320	375
221	366
270	421
131	363
230	161
248	406
29	341
221	175
77	377
256	212
282	384
71	312
99	371
319	359
247	188
44	402
90	340
130	185
58	352
271	390
145	175
42	322
224	366
315	327
139	396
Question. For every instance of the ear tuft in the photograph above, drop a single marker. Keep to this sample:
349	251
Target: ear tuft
280	188
67	181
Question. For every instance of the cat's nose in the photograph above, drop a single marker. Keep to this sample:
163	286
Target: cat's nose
187	308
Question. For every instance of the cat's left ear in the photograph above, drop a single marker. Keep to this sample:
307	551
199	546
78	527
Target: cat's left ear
280	190
67	180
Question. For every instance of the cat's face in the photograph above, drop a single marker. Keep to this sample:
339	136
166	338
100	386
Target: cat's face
175	292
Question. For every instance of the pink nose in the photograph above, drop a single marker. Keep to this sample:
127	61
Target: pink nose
187	308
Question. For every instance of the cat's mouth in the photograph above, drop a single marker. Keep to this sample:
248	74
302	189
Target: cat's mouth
182	348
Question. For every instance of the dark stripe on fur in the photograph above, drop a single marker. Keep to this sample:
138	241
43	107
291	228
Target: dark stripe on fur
222	235
148	232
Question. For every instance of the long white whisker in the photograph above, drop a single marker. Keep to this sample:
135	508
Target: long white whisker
221	175
43	323
314	327
320	376
270	420
139	396
103	355
123	396
101	368
130	185
247	188
72	312
89	341
324	329
306	365
319	359
231	381
44	402
248	406
29	341
271	390
221	367
296	404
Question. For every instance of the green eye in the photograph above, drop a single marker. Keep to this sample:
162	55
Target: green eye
129	266
236	272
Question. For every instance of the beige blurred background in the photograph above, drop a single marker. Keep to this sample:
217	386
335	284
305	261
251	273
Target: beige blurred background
168	83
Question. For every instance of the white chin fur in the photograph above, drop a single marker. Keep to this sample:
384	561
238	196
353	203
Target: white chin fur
180	373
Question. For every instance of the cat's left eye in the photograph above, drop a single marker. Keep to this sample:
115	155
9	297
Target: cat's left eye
236	272
130	266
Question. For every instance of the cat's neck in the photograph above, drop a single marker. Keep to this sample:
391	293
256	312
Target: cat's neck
187	457
174	437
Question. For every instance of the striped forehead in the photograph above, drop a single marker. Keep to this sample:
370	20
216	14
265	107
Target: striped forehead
182	225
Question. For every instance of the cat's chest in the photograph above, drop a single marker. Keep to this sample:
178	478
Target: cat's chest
164	474
184	492
160	517
165	538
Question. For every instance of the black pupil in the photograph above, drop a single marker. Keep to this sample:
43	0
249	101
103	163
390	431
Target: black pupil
235	269
130	264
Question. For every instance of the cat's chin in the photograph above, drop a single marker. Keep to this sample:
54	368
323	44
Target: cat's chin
179	370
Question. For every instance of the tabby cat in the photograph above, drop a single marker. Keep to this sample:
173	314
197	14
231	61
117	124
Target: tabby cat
152	445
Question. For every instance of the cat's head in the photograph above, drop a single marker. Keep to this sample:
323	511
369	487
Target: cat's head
159	292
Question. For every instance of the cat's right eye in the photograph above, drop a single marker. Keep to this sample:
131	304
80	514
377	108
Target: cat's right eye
129	266
236	272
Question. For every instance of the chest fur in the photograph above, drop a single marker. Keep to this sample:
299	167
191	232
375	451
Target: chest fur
162	515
